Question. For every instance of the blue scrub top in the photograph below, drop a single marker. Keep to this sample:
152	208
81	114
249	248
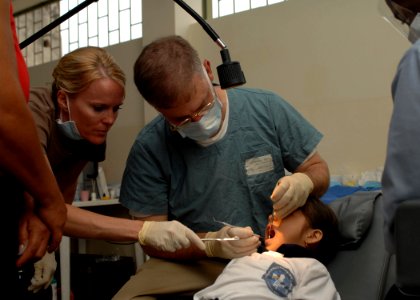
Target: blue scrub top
230	180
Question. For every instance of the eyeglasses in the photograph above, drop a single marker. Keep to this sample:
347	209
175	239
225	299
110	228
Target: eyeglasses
198	114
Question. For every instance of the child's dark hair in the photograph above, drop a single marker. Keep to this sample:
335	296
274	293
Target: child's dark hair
320	216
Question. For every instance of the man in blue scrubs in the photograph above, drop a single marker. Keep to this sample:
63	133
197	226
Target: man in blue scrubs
212	156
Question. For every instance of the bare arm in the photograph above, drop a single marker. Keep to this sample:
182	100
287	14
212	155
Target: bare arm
18	138
33	233
317	170
86	224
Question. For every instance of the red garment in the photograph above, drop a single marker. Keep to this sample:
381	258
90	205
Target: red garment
22	68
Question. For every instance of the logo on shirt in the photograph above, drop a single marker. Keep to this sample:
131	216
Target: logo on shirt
279	280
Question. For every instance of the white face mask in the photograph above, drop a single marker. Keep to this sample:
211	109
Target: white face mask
207	126
69	128
414	32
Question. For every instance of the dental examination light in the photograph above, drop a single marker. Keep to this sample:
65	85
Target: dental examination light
230	72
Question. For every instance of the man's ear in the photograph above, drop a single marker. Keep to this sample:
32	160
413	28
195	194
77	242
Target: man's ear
314	236
207	66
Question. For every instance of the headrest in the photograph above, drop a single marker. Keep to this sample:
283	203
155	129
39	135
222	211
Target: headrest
354	213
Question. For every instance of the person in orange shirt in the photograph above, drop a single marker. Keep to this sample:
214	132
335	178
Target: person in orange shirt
22	164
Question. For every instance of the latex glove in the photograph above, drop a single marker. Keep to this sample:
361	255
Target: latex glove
168	236
290	193
44	272
246	245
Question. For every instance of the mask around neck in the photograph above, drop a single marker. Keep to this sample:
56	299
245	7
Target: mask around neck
68	128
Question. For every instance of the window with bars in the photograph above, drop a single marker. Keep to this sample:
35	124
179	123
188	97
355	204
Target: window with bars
222	8
102	23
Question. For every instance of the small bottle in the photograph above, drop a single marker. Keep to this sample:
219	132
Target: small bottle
105	197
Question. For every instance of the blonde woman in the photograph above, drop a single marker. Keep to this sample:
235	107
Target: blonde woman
73	118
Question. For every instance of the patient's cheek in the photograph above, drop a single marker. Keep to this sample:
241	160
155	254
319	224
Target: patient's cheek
270	246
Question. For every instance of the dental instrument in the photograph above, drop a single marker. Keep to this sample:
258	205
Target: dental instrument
220	239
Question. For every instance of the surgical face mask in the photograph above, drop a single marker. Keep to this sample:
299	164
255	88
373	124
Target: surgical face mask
69	128
414	31
207	126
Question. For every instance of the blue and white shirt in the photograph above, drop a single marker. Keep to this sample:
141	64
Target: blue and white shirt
270	276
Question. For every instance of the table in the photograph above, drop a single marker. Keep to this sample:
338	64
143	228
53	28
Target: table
65	248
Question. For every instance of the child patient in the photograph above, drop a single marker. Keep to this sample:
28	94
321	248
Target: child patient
293	265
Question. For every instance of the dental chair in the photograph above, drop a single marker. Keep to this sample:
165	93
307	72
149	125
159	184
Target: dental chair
362	268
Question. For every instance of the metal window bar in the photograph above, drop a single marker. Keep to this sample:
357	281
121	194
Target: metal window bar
219	7
104	24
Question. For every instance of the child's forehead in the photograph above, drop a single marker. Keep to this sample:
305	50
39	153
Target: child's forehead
295	219
297	214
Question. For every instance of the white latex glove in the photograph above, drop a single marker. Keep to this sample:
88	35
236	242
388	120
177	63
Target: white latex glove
246	245
290	193
44	272
168	236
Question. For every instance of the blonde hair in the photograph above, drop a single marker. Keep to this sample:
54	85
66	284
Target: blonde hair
76	70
